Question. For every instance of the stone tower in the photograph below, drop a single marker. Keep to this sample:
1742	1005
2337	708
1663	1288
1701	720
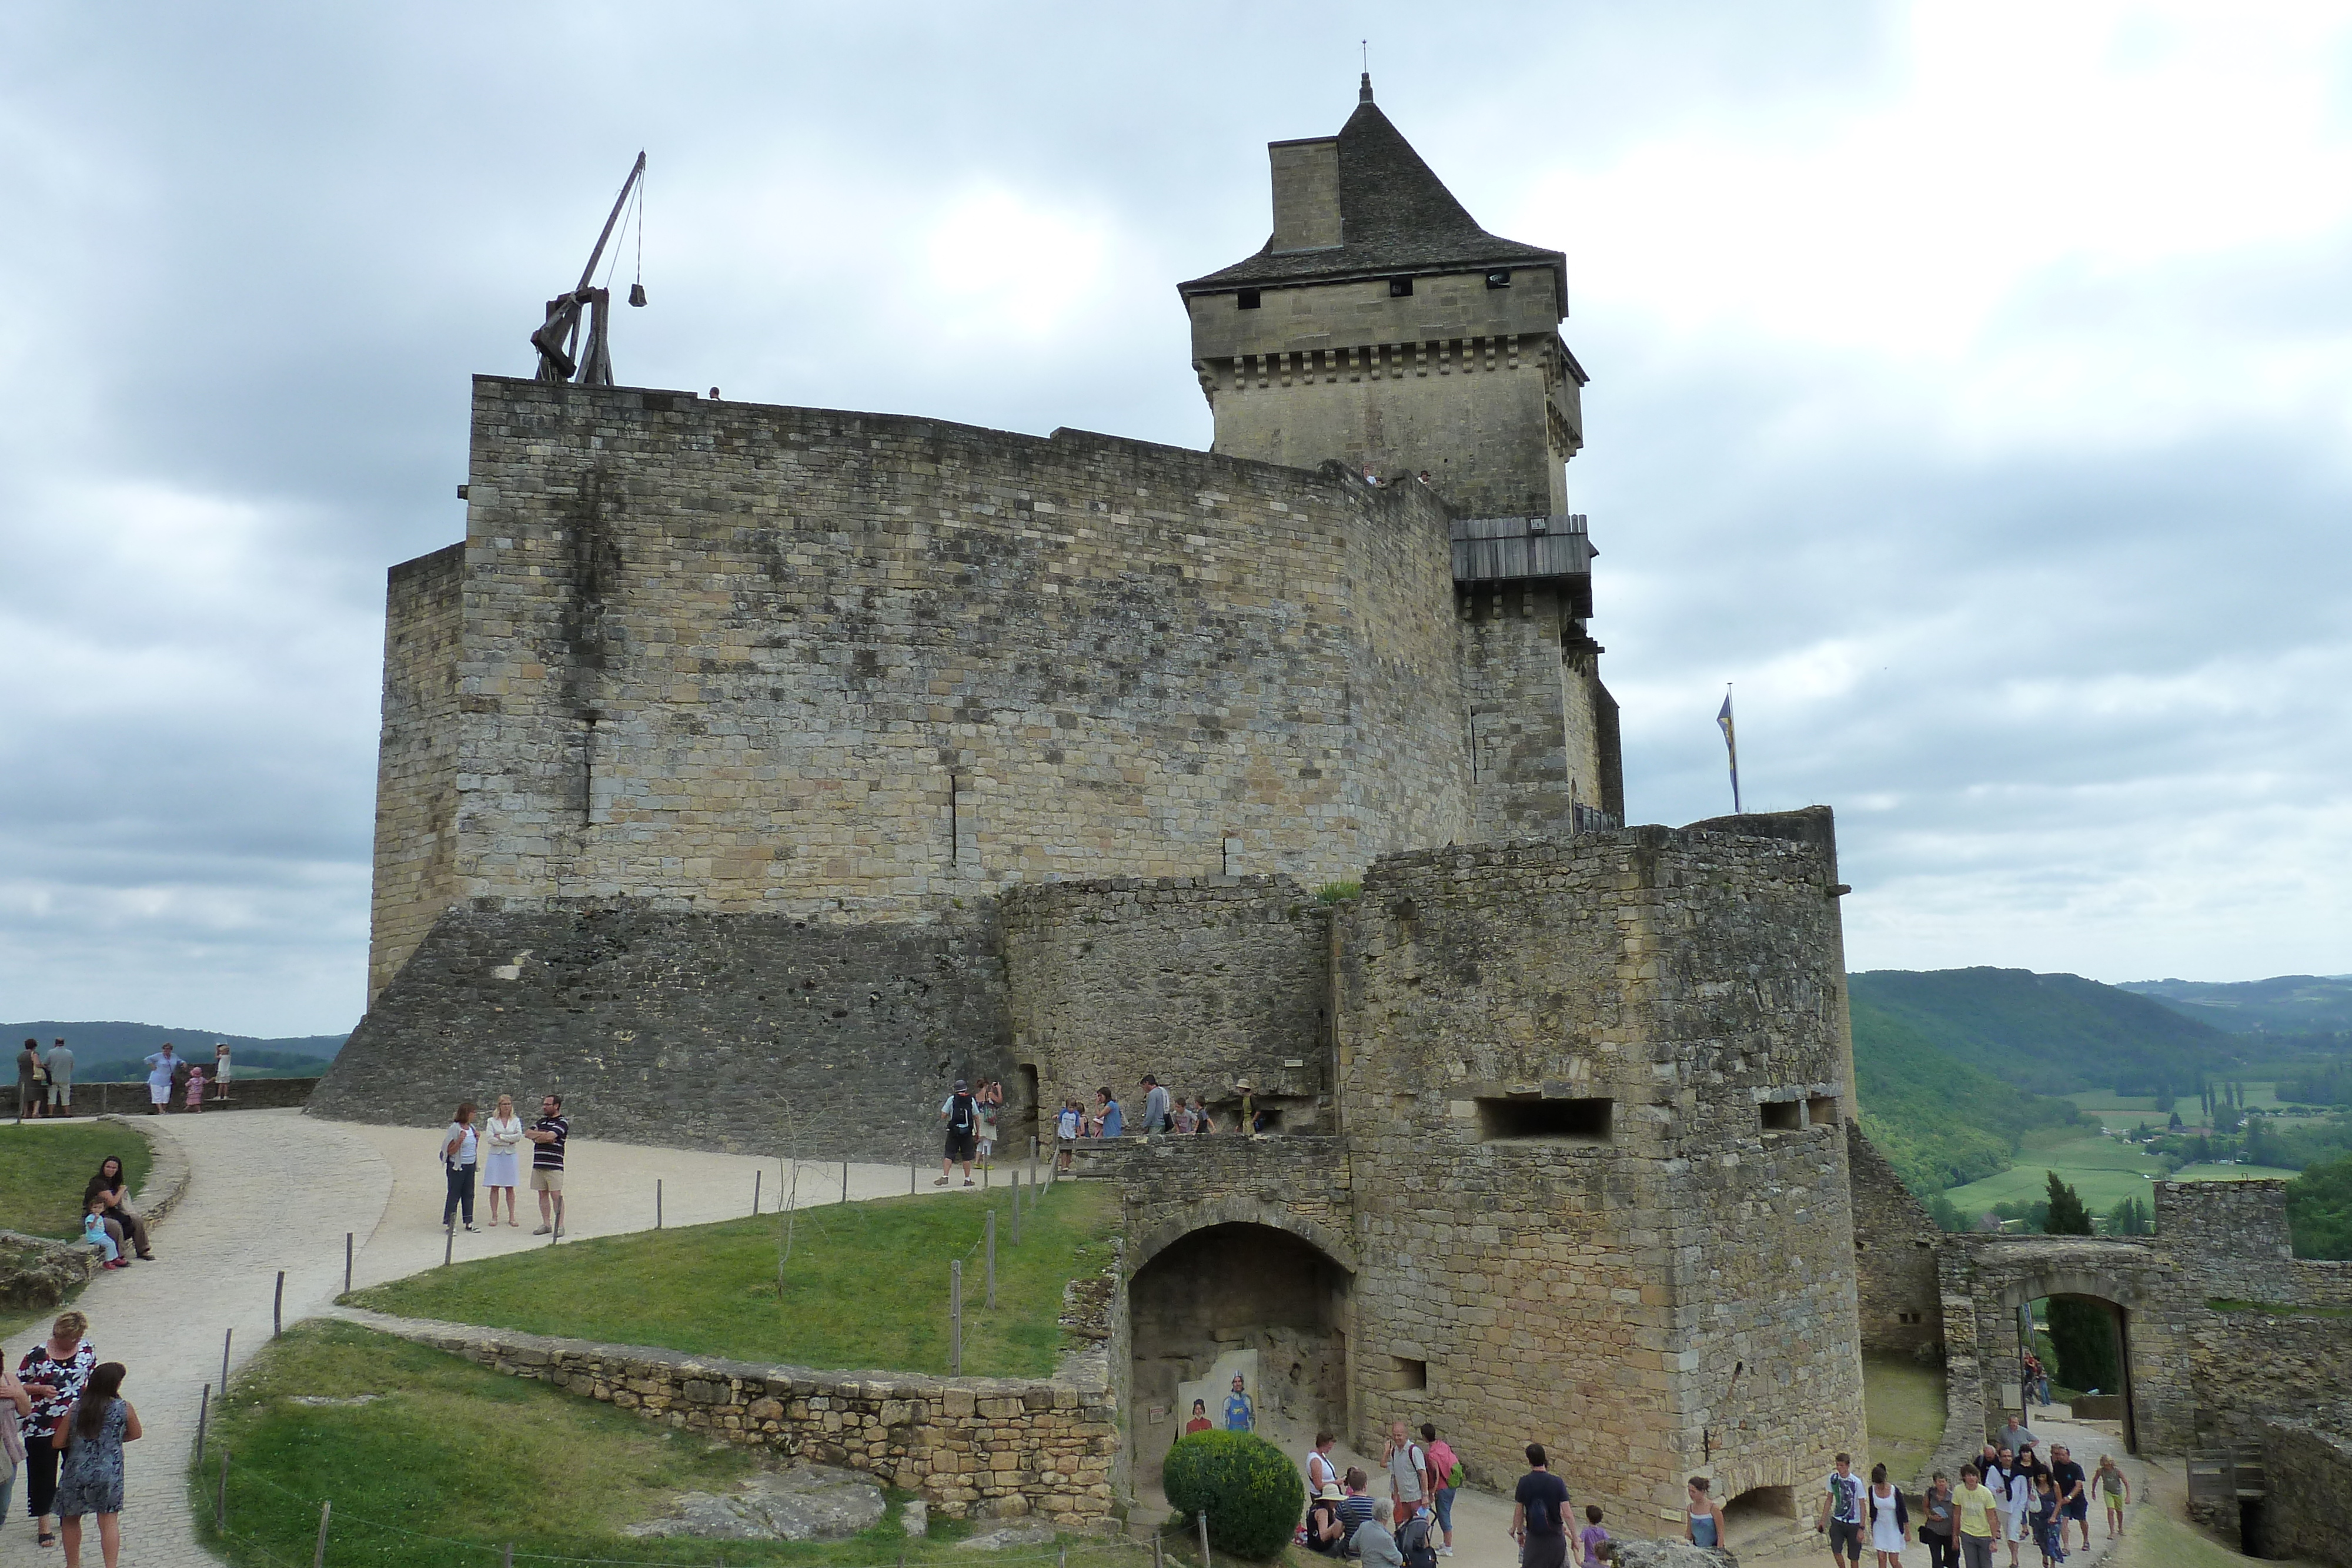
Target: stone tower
1380	325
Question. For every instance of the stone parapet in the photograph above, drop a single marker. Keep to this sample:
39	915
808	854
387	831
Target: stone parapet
1003	1447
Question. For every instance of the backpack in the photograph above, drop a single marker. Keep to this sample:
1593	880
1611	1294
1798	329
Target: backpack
1413	1542
960	1113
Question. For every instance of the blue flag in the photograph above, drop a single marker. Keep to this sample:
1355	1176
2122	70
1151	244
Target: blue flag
1732	748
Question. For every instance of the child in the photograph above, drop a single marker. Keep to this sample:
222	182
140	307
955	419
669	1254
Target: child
1592	1539
2115	1489
1065	1128
195	1088
93	1231
2046	1517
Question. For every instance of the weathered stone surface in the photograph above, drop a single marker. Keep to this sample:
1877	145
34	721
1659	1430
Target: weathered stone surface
807	1502
1639	1554
998	1539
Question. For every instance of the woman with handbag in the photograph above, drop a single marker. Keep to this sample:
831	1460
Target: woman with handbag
91	1479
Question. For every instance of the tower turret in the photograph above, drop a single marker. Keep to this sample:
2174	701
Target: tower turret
1381	325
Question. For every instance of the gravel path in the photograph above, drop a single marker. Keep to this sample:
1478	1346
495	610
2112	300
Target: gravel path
271	1190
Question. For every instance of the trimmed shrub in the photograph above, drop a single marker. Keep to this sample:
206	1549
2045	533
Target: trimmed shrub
1252	1494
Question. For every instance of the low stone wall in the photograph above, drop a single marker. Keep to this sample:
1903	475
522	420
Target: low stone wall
36	1271
245	1095
970	1446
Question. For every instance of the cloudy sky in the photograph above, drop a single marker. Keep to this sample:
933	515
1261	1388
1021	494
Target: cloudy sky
1971	387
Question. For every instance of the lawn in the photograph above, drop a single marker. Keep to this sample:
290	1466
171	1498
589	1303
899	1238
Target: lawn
450	1463
44	1170
2103	1170
1903	1404
866	1286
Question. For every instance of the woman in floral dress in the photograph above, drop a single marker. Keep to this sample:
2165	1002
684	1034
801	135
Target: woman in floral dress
53	1373
91	1481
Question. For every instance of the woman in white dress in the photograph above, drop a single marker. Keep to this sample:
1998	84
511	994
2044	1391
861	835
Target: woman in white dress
1890	1521
501	1168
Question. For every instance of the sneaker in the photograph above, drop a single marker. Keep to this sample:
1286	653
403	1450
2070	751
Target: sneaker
476	1229
943	1181
541	1231
968	1182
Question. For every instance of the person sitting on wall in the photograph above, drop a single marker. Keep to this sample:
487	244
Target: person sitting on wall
1326	1530
1355	1507
124	1225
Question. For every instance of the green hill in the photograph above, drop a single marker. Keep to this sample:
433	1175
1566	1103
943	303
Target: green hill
2284	1003
2053	1034
1939	1121
97	1043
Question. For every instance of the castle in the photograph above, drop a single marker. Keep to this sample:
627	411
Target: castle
747	772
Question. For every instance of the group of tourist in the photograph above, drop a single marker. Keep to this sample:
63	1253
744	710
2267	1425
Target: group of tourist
492	1152
969	1116
45	1080
63	1422
2006	1496
1412	1527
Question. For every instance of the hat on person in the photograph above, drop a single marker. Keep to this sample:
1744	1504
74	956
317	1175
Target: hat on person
1330	1493
960	1083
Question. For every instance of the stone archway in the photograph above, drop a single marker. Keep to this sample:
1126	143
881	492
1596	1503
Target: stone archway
1237	1296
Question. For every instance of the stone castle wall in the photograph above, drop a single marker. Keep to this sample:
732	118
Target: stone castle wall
2308	1465
1535	739
1894	1243
416	759
1204	984
741	658
1656	991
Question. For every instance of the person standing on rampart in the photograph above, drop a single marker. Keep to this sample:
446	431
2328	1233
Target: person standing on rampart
29	1081
220	1069
162	1068
1111	1118
960	1113
1156	1118
549	1135
60	1066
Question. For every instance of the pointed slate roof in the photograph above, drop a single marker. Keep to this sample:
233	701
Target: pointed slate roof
1395	216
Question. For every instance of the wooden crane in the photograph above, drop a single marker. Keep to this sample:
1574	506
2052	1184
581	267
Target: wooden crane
559	336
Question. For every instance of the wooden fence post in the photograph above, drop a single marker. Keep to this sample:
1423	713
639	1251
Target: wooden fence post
955	1318
318	1557
278	1307
991	1259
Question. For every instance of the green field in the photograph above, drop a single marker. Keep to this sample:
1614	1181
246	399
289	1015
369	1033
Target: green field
867	1285
44	1168
2103	1170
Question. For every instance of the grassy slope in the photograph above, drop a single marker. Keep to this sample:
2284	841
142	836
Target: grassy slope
1903	1402
1936	1118
866	1287
2051	1034
44	1170
453	1462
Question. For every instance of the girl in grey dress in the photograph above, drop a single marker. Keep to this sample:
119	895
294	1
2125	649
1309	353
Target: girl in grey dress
91	1479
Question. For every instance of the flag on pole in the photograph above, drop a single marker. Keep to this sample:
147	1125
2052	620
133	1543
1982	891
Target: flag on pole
1730	746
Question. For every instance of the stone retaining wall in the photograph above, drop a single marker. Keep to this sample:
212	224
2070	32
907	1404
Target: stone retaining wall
2309	1467
970	1446
245	1095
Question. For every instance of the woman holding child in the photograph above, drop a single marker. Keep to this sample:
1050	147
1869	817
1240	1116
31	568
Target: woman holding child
129	1231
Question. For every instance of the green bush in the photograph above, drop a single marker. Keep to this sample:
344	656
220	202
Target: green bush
1252	1494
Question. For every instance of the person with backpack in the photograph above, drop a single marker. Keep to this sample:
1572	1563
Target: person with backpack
961	1115
1408	1467
1445	1476
1539	1514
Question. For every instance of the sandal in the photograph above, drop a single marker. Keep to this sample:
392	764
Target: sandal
48	1540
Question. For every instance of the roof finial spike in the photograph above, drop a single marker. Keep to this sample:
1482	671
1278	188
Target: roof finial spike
1364	93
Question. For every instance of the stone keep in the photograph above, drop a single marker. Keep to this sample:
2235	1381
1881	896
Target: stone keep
747	772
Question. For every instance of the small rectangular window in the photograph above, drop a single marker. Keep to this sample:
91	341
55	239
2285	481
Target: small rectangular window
1247	299
1499	279
1783	1115
1405	1373
1822	1110
1533	1121
1400	288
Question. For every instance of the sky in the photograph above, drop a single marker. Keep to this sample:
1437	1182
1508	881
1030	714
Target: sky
1971	387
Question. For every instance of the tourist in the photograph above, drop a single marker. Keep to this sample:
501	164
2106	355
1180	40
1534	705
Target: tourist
93	1231
196	1098
1977	1514
1184	1120
1110	1120
1355	1504
1156	1118
2074	1493
1841	1512
1444	1479
960	1113
1245	1122
2115	1489
501	1158
30	1093
1936	1528
2012	1480
1200	1421
1066	1128
220	1069
986	1102
60	1066
1373	1542
16	1406
1592	1540
1241	1416
1890	1520
162	1068
2047	1517
2015	1438
1703	1518
92	1436
461	1152
1408	1467
549	1135
1201	1121
128	1228
1539	1514
1320	1472
1327	1531
53	1373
